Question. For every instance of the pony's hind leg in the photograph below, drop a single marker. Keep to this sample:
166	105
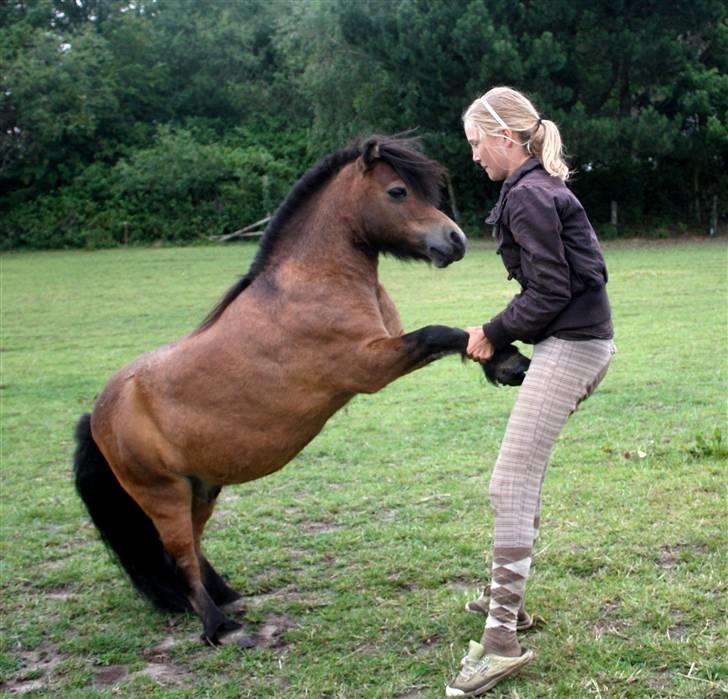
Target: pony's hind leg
218	589
204	499
169	504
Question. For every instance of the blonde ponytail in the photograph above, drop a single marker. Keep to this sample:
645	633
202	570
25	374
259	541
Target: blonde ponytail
504	107
545	144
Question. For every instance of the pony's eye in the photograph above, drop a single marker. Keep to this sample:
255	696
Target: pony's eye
397	192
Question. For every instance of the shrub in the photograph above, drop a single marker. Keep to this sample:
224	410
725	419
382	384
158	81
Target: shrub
178	190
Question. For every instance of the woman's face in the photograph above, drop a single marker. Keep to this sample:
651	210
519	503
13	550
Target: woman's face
490	152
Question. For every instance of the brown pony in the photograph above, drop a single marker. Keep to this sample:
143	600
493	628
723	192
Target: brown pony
305	330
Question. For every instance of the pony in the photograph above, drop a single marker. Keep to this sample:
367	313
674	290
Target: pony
306	329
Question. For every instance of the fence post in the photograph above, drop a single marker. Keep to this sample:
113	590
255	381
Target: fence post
714	216
613	214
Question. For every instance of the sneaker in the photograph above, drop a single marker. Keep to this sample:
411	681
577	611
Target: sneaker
481	672
482	605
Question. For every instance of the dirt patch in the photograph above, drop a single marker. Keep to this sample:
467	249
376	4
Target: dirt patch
414	693
610	607
427	644
670	554
165	675
53	564
404	585
462	585
111	674
318	527
35	668
20	688
287	594
272	630
678	632
610	627
660	680
61	594
161	652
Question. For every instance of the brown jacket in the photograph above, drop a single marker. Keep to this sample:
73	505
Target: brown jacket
549	247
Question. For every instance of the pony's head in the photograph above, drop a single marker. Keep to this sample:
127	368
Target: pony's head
383	191
395	196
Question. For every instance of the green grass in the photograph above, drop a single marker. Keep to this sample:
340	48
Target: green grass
363	550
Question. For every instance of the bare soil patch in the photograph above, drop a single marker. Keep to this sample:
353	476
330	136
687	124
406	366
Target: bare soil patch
271	632
670	554
36	668
110	675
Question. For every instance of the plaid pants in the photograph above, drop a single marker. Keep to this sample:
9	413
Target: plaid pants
562	374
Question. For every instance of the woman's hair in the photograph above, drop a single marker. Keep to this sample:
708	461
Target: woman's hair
504	107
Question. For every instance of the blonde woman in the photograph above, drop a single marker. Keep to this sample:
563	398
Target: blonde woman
549	247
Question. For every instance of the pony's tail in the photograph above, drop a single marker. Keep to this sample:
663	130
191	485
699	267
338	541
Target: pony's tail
126	530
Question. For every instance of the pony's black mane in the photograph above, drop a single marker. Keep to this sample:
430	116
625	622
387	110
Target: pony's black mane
403	155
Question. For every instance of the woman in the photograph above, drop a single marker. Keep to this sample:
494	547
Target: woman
548	245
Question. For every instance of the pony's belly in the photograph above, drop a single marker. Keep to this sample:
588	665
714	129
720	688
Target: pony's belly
246	450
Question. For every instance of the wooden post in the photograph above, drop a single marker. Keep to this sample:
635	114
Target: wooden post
126	233
613	214
696	196
714	216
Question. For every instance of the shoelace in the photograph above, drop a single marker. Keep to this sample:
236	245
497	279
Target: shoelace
471	666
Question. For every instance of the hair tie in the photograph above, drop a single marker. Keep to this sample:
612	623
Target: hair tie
539	122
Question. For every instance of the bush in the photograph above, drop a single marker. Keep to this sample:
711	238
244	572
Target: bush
607	231
176	190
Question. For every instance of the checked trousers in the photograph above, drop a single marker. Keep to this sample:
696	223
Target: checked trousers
562	374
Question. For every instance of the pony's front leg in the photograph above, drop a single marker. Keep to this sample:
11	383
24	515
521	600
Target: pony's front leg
383	360
432	342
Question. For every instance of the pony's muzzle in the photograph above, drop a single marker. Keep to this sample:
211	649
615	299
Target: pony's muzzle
447	246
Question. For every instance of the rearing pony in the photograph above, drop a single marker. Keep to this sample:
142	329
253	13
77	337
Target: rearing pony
307	328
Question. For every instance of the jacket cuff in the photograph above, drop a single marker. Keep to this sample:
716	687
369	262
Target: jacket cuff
497	334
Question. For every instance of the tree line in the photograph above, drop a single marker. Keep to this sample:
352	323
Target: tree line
145	120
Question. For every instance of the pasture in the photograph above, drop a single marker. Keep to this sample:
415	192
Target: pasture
356	559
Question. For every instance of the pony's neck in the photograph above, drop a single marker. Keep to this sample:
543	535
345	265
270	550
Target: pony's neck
325	238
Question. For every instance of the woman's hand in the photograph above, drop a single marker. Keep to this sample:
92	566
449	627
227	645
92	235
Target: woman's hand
479	347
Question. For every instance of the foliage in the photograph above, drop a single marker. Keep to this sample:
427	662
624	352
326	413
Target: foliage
94	89
181	187
713	445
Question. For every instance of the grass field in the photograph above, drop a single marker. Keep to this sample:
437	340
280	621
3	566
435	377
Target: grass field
356	559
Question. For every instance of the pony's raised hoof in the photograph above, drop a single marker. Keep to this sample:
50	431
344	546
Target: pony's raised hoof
507	367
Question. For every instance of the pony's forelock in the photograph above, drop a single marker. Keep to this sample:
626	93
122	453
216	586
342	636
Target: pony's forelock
420	173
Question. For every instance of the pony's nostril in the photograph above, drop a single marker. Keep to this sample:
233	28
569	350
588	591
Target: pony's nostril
457	241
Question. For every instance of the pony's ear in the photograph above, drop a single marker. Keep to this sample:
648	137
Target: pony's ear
369	154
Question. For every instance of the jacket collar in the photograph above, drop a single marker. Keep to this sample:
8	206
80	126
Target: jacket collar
513	178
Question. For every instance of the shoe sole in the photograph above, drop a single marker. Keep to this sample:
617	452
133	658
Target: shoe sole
479	612
526	658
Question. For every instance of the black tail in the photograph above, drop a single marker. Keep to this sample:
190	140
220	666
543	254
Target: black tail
125	528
